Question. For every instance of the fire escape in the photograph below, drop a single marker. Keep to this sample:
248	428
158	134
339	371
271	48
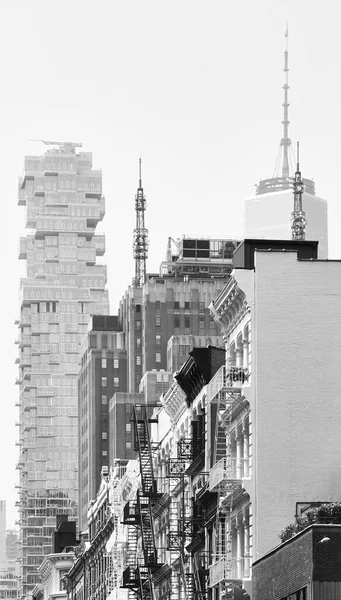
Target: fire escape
226	478
142	562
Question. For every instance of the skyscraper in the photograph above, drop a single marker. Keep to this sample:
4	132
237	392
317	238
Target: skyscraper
63	286
267	213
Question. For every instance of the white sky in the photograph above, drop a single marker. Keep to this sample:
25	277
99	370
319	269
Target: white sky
195	87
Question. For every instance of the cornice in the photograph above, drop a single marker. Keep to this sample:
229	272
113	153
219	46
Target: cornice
230	307
174	402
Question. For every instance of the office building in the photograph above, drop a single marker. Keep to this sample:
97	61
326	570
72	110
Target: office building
267	213
62	287
175	301
103	372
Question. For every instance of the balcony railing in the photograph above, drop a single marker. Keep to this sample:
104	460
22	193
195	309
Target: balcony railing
227	377
228	469
229	569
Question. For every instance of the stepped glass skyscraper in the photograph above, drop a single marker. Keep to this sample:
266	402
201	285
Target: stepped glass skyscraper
63	286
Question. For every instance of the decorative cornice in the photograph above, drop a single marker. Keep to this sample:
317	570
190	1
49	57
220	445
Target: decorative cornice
174	402
230	307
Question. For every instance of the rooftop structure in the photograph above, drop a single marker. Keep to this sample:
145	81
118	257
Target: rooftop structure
62	287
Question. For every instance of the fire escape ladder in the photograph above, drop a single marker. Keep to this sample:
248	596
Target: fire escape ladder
145	580
144	447
200	594
147	530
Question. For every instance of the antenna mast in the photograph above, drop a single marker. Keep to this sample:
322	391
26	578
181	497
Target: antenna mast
286	141
140	247
298	220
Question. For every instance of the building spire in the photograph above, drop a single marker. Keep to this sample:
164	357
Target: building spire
140	246
283	172
286	141
298	219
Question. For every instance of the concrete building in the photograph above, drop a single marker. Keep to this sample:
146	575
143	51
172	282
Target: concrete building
62	287
103	372
281	349
306	567
173	302
267	213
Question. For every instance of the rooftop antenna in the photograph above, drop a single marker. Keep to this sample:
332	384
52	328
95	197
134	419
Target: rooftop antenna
140	246
298	217
286	141
285	148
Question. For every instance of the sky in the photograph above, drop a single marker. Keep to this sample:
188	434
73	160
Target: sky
195	89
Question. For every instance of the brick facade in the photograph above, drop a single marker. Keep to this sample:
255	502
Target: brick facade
287	570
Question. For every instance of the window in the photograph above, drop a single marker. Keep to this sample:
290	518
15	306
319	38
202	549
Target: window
186	305
202	305
157	321
176	305
138	359
104	400
158	357
158	340
128	445
104	363
138	325
138	308
104	435
187	322
181	350
138	342
116	363
128	427
212	324
201	324
187	349
104	382
104	453
116	382
176	322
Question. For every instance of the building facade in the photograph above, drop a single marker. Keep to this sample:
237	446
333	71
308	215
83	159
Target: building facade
279	355
103	372
62	287
173	302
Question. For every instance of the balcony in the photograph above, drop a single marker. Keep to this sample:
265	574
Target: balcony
226	570
227	469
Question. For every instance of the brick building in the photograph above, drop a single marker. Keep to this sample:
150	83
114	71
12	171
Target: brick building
306	567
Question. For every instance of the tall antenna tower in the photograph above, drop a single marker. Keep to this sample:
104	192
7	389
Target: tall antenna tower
298	219
140	246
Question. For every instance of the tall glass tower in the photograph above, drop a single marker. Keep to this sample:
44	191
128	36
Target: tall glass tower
63	286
